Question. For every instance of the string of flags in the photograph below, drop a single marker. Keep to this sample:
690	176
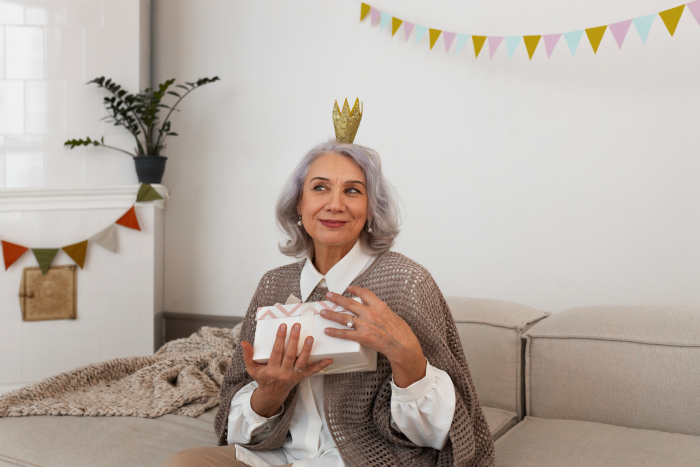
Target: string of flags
106	238
619	30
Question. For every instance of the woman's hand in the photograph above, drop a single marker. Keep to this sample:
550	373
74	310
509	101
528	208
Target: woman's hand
379	328
278	376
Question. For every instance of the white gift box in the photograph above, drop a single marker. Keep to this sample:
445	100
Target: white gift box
347	356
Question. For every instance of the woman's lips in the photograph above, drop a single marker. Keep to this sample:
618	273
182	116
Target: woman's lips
333	224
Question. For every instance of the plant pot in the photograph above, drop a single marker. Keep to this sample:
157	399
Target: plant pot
150	169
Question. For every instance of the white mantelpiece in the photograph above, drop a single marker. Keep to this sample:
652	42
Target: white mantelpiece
118	294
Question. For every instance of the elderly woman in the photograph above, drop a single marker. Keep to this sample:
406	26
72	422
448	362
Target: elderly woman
418	407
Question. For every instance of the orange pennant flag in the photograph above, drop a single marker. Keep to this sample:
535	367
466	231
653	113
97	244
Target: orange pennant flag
478	44
531	44
671	18
434	34
11	253
364	10
595	35
129	219
77	252
395	25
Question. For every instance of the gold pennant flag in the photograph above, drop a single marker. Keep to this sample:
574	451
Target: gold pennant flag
478	44
364	11
395	25
434	34
595	35
531	44
671	18
77	252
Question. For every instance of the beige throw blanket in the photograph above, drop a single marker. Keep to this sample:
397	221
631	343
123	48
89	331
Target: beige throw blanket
184	377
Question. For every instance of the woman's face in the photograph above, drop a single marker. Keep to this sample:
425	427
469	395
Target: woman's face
333	203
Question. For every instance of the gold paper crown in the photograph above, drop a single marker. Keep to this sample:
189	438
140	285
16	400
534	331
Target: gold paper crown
347	122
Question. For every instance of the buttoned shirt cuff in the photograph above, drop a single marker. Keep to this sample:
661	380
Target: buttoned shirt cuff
416	390
255	420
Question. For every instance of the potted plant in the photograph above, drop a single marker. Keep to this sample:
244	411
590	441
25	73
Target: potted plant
139	114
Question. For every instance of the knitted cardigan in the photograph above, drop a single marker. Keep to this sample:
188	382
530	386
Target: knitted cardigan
357	406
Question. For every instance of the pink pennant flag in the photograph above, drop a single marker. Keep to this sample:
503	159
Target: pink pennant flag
494	42
619	31
449	37
694	8
550	41
376	15
408	28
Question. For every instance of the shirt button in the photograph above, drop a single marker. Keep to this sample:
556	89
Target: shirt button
257	420
396	393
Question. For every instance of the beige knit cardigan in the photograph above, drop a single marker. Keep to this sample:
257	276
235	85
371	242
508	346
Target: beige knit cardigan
357	406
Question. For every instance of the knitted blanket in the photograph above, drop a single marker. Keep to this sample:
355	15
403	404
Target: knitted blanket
184	377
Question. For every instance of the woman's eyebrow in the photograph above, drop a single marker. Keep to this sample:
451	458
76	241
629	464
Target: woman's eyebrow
328	180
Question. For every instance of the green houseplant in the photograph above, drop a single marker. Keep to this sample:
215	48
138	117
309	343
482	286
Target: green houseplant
139	114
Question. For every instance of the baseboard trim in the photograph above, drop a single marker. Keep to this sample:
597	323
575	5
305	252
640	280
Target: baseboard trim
171	325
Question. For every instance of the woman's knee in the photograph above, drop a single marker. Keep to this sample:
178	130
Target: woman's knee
185	458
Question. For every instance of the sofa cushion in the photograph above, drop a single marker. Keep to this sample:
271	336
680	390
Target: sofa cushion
490	333
540	442
67	441
499	421
632	366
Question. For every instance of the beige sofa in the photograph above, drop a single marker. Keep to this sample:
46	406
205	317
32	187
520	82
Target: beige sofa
595	386
610	386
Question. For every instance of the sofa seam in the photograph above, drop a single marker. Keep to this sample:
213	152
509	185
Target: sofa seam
608	339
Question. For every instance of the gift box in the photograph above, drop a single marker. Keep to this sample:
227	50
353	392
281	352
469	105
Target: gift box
347	356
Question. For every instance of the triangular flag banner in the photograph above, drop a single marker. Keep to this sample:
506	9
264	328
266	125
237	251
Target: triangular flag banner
407	29
531	44
449	37
512	43
494	42
420	32
462	40
643	26
619	31
107	238
376	14
129	219
572	40
694	8
395	25
434	34
77	252
44	256
478	44
595	35
147	193
385	17
671	18
11	252
364	9
550	41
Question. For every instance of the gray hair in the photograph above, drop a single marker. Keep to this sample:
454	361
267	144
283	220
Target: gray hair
382	202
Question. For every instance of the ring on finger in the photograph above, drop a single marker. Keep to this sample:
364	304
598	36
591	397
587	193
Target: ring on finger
297	369
351	323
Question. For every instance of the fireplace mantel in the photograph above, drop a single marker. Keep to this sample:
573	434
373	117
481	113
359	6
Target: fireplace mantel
70	198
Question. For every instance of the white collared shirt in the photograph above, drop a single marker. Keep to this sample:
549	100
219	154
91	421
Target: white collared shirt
423	411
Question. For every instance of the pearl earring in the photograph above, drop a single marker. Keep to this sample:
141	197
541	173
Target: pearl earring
299	223
369	228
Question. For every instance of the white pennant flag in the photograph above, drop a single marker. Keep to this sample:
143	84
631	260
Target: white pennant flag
107	238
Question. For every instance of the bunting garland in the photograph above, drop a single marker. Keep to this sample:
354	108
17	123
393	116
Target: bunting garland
619	30
106	238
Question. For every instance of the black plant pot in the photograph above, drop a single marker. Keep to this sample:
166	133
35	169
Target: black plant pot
150	169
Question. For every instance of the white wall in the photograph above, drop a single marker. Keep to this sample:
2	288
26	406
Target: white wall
49	49
554	183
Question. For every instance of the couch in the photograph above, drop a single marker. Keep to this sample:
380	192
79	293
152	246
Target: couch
592	386
609	386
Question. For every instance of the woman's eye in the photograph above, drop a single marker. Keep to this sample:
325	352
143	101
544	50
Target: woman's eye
354	191
319	187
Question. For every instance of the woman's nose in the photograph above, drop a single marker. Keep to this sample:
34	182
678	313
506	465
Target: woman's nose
335	202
